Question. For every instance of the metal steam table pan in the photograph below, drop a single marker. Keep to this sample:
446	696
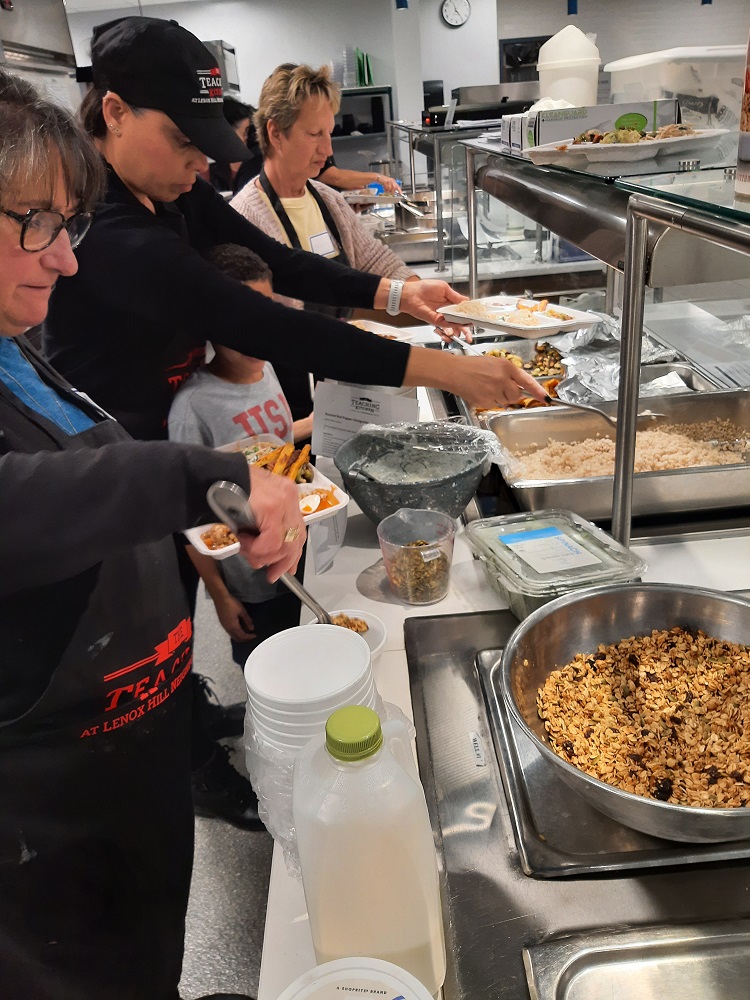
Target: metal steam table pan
693	962
674	491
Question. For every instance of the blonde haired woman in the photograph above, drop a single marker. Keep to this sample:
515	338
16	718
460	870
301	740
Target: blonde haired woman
294	123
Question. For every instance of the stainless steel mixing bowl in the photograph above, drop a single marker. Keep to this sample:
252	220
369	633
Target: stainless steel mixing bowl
577	623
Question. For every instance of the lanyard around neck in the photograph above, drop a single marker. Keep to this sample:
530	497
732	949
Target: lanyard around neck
284	219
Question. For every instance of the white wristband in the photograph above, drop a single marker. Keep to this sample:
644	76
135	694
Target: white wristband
394	298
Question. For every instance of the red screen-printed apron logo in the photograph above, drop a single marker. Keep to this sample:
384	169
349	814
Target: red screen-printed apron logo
135	690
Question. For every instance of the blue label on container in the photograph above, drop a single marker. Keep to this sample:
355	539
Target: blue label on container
549	550
524	536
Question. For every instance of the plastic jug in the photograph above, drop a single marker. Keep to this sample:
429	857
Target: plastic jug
365	845
568	67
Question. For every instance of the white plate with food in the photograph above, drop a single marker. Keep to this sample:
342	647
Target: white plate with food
527	318
644	149
319	497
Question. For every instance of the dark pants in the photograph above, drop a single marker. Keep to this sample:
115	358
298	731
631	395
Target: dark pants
269	617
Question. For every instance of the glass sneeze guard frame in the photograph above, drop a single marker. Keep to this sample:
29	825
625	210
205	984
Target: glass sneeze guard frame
724	226
731	231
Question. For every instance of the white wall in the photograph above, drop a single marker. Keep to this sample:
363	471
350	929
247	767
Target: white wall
268	33
629	27
461	57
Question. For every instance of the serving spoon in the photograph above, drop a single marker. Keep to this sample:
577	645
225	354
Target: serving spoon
556	401
230	503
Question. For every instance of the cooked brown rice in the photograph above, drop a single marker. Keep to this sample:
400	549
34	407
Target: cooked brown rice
681	446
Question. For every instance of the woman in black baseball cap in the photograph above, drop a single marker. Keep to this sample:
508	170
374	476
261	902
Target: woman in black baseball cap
133	323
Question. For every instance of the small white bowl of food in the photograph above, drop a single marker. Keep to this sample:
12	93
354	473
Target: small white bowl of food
368	625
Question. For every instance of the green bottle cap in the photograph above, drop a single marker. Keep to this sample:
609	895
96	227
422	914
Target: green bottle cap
353	733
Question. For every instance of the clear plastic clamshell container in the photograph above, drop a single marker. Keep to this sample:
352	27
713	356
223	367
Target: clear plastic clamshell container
531	558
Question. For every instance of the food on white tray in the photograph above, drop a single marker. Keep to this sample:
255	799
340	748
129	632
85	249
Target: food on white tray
348	621
628	136
327	499
218	536
283	460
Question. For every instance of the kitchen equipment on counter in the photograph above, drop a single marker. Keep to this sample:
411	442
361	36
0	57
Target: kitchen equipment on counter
297	678
437	466
531	559
365	845
577	623
706	80
568	66
644	417
417	547
706	961
669	492
649	884
231	505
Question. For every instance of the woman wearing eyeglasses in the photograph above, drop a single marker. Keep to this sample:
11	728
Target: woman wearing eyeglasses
96	813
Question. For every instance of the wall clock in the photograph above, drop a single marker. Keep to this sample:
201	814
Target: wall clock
455	12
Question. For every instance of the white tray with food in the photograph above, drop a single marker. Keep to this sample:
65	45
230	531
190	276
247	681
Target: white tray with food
527	318
622	145
363	196
319	497
384	330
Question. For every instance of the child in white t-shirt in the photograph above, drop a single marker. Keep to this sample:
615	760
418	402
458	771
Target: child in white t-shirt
234	397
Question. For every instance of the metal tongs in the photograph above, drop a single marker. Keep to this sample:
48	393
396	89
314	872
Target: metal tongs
411	207
231	505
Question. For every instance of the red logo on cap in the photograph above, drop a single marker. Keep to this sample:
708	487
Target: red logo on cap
209	83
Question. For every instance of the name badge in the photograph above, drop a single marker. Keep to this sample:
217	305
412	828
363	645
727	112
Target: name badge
322	244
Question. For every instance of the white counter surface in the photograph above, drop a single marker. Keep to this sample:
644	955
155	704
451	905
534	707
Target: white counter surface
357	580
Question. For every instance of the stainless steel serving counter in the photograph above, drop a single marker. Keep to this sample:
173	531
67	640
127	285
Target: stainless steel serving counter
569	932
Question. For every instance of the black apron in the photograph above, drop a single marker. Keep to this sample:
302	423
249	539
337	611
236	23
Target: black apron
294	382
96	818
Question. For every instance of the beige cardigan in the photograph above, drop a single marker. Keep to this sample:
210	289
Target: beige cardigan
365	252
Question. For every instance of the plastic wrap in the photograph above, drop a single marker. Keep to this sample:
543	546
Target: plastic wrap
271	773
736	332
436	437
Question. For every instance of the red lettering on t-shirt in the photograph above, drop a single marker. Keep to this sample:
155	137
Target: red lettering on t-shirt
278	422
244	421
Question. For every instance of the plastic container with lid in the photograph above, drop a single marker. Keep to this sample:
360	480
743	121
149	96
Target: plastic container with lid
364	977
531	558
568	66
366	849
705	79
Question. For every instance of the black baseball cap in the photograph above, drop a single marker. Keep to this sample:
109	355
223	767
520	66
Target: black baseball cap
158	64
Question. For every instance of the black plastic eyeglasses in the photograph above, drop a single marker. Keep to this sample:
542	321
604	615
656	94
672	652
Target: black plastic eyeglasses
40	227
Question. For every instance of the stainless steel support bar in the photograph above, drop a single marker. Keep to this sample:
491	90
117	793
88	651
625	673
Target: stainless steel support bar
610	295
642	210
471	219
412	173
438	150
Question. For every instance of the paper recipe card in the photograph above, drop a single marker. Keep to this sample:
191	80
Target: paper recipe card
340	411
